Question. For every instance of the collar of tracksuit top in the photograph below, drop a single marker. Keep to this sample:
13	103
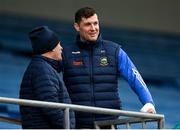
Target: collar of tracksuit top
57	65
87	44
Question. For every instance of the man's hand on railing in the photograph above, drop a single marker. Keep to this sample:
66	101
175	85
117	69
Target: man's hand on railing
149	108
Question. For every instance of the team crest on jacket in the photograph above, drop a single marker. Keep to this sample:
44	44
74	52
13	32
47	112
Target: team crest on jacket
103	61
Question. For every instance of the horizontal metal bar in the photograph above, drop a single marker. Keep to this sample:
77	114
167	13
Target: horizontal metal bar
10	120
124	121
81	108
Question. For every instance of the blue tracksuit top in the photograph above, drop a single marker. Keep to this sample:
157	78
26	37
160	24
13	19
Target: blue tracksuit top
127	69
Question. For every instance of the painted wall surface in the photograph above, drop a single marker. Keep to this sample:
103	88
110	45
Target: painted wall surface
156	15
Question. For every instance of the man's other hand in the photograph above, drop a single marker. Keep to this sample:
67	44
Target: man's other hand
148	108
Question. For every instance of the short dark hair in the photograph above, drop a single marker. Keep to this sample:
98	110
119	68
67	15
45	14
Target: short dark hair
85	12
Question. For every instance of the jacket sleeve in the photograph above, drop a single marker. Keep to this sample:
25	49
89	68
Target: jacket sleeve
46	89
131	74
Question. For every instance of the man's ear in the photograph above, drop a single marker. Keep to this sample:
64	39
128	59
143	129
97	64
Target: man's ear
76	26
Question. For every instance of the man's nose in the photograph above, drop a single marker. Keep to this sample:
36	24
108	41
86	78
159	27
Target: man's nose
61	48
92	27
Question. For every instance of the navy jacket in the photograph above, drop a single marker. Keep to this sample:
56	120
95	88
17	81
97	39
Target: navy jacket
91	74
91	77
42	81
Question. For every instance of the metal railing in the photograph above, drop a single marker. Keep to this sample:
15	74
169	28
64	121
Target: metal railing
135	116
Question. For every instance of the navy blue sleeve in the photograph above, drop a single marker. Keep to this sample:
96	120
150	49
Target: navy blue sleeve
46	88
133	77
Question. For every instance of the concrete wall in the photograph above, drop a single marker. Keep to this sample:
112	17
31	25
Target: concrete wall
156	15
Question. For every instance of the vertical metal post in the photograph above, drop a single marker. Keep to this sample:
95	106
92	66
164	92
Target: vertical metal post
66	119
96	126
128	126
143	125
112	127
161	123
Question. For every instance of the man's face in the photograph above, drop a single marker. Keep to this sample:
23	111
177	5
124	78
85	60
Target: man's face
88	28
58	52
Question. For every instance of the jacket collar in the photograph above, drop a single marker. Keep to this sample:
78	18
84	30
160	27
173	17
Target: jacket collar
87	44
57	65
